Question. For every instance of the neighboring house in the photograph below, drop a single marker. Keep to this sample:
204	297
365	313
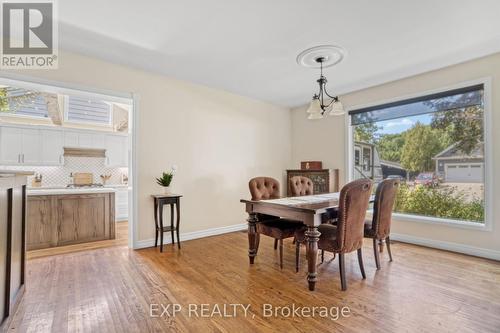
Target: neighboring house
367	163
453	165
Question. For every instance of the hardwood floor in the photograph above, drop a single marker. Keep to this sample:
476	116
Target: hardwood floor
121	238
111	289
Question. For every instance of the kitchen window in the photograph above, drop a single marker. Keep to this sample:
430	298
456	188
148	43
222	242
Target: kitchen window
22	102
88	111
436	144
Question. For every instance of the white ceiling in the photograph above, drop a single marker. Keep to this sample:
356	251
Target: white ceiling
249	46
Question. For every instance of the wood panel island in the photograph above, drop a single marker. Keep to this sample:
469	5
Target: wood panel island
58	217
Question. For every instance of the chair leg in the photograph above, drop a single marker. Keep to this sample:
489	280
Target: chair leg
343	282
388	243
281	253
375	251
294	240
297	256
275	243
360	261
156	237
322	256
381	245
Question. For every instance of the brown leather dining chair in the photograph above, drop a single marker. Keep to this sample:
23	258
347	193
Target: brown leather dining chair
300	185
264	188
379	227
347	235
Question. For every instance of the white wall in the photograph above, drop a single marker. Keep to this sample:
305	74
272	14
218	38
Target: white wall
326	140
218	140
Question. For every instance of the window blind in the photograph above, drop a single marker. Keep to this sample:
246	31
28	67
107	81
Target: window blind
89	111
36	108
448	100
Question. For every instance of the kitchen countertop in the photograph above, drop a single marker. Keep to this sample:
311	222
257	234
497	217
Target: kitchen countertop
11	173
62	191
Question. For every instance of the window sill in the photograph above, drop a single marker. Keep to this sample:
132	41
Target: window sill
440	221
401	217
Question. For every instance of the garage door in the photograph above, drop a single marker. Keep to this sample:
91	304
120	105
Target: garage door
465	173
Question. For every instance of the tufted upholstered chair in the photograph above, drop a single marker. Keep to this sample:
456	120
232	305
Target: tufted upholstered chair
264	188
347	235
379	227
301	185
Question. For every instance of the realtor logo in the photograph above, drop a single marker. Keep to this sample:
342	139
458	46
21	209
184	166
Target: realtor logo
29	35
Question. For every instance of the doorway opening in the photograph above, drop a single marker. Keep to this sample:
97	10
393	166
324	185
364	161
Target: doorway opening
78	143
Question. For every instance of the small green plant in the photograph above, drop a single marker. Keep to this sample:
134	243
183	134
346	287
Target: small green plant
165	179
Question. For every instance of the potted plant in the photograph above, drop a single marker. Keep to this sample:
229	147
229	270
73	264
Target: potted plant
166	179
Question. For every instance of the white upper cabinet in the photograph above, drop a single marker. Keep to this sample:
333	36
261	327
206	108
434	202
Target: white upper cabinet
20	146
31	154
29	145
11	145
79	139
52	147
116	151
71	139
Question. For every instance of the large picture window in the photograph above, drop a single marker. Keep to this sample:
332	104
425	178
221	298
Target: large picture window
435	144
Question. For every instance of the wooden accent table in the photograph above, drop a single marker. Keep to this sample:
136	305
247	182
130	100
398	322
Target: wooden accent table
311	214
159	201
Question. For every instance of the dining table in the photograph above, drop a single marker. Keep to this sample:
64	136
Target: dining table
311	210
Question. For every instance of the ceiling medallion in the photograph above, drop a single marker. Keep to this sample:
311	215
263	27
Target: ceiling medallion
322	56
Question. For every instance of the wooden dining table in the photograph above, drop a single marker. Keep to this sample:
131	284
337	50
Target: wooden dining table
311	210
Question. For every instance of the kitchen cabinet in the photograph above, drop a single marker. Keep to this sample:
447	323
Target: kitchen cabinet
80	139
31	145
20	146
52	147
121	203
11	145
64	219
116	150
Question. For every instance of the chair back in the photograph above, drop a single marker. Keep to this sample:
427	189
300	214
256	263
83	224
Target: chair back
300	185
264	188
382	209
353	203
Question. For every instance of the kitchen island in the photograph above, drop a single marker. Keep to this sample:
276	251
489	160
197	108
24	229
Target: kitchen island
65	216
12	242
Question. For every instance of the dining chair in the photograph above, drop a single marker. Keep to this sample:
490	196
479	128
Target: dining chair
265	188
347	235
300	185
379	227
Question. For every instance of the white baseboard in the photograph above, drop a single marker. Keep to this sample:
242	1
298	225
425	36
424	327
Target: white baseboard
449	246
192	235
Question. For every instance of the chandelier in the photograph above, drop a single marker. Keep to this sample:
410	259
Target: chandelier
322	104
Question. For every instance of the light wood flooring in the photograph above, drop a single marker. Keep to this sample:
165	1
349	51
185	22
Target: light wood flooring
110	290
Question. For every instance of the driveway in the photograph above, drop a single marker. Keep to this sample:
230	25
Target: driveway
470	190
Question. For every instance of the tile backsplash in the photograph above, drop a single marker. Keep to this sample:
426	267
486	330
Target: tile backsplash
59	175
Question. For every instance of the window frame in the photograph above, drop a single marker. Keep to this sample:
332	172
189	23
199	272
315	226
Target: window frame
488	156
14	115
90	123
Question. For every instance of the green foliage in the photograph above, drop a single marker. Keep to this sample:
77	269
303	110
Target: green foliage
438	202
366	132
464	126
390	146
4	102
422	143
165	179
